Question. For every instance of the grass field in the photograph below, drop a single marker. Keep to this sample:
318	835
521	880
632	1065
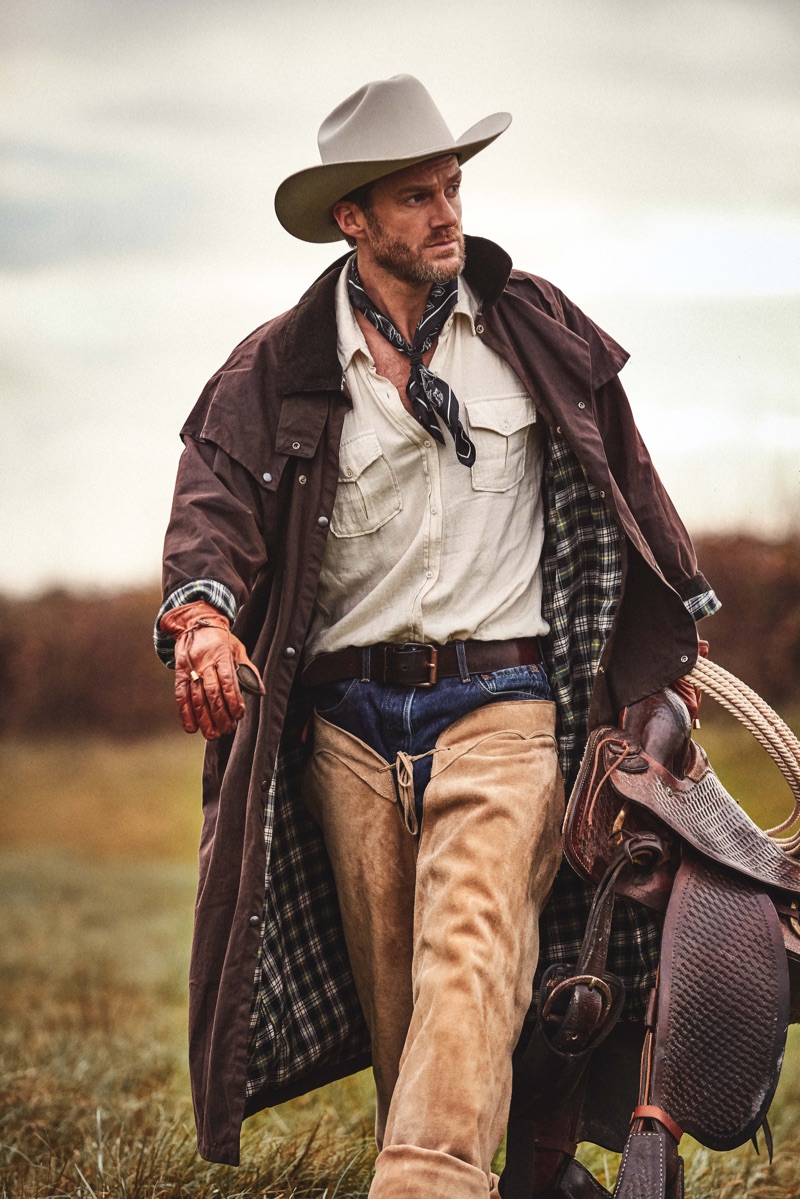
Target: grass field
96	893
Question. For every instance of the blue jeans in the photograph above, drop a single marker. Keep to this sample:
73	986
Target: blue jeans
411	719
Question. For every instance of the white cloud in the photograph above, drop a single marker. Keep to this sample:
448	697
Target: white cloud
652	170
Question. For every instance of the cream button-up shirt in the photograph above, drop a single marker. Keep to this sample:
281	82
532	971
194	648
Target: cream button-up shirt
420	547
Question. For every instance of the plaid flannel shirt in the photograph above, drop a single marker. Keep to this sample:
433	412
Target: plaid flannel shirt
305	1011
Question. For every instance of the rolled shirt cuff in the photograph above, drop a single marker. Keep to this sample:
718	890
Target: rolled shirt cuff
704	604
210	590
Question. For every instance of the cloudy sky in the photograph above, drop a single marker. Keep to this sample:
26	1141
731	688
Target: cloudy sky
652	171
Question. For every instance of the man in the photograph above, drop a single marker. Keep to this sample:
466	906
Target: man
421	498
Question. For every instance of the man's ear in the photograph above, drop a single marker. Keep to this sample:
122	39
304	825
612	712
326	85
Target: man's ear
350	218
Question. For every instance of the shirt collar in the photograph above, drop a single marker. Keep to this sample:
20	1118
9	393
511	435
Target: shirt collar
350	338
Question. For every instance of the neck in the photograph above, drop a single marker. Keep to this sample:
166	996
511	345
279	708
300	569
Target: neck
404	303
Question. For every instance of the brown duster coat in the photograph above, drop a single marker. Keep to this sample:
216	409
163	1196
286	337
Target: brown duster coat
255	490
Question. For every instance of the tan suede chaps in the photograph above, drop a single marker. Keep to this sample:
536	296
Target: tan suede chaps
442	930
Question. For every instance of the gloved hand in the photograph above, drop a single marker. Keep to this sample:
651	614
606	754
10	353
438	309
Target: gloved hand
208	662
688	691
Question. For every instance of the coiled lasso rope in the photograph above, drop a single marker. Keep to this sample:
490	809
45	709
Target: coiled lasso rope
767	727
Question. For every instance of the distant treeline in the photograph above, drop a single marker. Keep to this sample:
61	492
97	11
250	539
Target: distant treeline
71	663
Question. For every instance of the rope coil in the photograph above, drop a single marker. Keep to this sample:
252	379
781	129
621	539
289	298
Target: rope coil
768	729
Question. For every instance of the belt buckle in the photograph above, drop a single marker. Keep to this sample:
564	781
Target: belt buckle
413	649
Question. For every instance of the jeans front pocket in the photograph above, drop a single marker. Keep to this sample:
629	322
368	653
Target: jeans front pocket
516	683
330	699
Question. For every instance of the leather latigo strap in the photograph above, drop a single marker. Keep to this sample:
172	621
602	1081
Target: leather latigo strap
419	663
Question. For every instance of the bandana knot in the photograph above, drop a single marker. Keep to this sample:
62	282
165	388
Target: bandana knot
430	396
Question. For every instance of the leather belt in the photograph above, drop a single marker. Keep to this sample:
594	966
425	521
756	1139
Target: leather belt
418	663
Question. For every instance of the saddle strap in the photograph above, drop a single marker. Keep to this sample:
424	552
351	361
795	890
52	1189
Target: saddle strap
723	1006
651	1167
554	1172
578	1007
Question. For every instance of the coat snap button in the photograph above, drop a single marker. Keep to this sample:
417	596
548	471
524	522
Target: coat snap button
581	404
255	921
684	657
265	784
289	652
479	328
322	521
602	495
302	479
267	477
295	445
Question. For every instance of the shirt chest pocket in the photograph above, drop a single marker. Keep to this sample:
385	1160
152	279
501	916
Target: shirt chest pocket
499	428
368	494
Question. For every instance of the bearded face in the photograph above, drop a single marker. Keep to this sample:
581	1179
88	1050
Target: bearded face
409	223
437	258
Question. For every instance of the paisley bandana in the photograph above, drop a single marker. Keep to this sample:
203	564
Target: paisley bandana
430	396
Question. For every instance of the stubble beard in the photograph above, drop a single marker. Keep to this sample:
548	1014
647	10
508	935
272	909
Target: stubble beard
400	260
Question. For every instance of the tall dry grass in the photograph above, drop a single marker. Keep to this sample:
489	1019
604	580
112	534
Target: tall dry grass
96	894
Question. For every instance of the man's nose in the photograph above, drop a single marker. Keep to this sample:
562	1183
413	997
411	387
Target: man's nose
444	214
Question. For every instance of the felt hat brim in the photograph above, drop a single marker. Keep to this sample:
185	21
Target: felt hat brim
303	202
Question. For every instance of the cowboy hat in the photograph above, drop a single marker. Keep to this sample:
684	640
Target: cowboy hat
384	126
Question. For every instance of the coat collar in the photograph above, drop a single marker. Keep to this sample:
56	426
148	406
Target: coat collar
309	362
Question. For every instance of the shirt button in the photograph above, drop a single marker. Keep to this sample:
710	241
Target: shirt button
427	445
255	921
322	521
506	425
267	477
433	511
349	473
429	575
289	652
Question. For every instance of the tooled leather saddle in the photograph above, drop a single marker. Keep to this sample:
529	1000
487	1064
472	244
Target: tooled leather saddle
649	820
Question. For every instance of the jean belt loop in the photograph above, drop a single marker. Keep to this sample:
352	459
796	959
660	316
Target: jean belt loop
366	669
461	658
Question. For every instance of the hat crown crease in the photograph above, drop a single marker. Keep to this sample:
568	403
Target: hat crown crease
385	119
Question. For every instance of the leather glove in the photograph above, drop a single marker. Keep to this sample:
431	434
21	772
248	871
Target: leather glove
686	689
211	666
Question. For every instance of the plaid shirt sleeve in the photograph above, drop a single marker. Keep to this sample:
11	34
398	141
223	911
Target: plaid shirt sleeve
702	605
210	590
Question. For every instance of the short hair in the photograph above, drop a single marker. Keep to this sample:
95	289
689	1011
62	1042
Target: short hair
362	196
